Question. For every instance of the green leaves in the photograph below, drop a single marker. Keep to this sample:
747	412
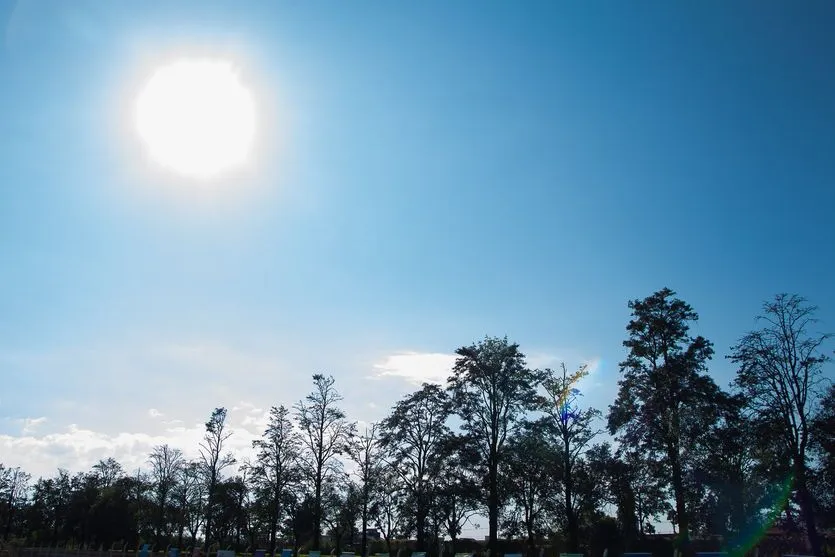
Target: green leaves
665	400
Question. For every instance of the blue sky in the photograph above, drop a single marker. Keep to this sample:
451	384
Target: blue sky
428	173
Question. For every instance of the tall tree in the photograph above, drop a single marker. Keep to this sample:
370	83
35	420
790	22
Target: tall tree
571	430
492	388
365	451
665	399
780	375
213	462
13	485
324	431
415	434
165	467
277	470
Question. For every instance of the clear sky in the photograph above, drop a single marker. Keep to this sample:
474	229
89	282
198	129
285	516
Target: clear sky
427	173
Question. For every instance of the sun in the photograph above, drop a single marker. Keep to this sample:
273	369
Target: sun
196	118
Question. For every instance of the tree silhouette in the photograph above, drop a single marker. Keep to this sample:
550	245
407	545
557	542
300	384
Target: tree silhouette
213	462
416	433
571	432
492	387
780	376
165	468
324	432
277	469
664	398
365	451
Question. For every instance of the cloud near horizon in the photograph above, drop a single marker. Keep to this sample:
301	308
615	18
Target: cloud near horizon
435	367
77	449
417	367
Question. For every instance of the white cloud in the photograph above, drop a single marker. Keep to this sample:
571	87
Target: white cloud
417	367
77	449
432	367
154	413
30	425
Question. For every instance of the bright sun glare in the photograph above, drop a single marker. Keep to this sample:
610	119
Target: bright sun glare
196	118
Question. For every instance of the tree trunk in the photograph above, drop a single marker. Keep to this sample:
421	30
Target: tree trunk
317	511
681	511
807	510
639	508
207	542
568	484
493	507
8	528
274	525
531	541
365	526
420	520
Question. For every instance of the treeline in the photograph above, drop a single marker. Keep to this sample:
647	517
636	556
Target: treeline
499	440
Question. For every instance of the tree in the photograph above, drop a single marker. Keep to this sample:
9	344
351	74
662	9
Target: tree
213	462
13	485
113	516
344	501
416	433
188	495
324	431
571	431
823	429
492	388
277	469
637	482
165	467
780	367
229	519
107	471
457	489
391	515
365	451
529	473
665	400
589	492
301	519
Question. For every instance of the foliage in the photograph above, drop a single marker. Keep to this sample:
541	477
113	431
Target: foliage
780	376
500	440
570	430
823	445
665	400
492	388
165	466
324	433
530	473
365	450
277	470
213	462
415	435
